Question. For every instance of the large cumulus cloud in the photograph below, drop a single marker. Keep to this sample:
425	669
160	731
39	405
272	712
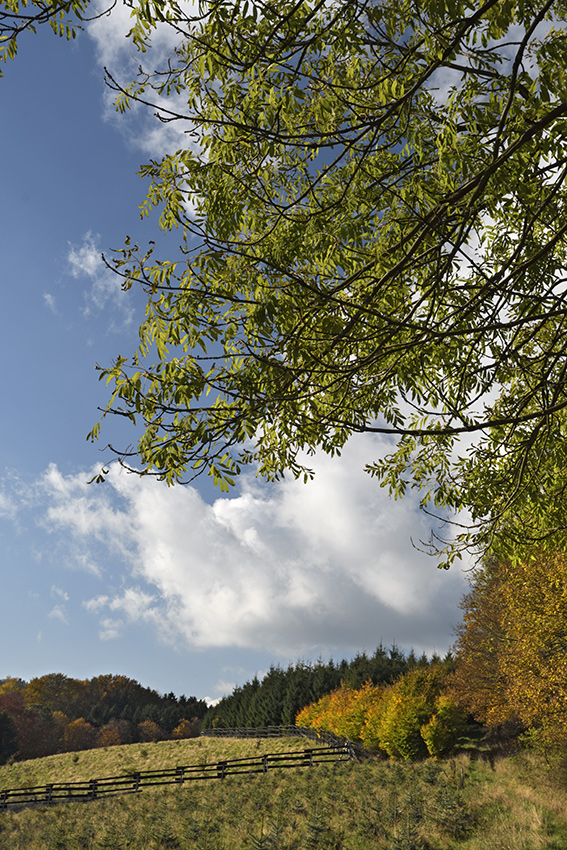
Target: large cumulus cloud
289	568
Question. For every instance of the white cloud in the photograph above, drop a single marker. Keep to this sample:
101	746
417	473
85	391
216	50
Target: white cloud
8	507
95	604
58	613
105	290
222	687
58	592
117	53
110	629
49	301
293	569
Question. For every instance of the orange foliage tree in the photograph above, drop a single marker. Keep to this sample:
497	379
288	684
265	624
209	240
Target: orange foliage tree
148	730
114	733
80	735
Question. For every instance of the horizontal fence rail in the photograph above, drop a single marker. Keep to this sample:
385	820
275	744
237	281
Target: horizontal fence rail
92	789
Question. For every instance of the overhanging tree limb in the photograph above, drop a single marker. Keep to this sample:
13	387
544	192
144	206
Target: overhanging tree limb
371	211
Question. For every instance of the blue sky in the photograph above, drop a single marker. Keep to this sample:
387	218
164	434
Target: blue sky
184	589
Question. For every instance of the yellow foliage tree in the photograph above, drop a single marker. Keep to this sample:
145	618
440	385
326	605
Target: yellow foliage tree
408	719
11	685
56	692
187	729
512	646
342	712
535	661
413	720
479	683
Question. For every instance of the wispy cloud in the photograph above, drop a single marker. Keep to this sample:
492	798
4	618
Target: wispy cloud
292	569
110	628
104	292
49	301
8	506
59	593
59	611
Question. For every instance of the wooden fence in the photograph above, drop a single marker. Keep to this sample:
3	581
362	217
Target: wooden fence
132	783
319	735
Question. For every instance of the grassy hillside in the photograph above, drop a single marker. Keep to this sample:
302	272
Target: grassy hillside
113	761
517	804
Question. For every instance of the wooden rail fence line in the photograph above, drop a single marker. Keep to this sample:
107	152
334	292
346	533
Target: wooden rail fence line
322	736
132	783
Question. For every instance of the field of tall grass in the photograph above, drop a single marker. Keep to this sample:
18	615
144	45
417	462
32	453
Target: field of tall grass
513	803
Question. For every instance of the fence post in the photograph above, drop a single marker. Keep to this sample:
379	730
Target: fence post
308	758
92	787
4	800
221	769
265	763
136	778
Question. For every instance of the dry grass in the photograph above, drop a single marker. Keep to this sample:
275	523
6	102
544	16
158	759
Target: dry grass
114	761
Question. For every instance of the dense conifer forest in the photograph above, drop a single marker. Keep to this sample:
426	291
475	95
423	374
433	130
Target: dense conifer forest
276	699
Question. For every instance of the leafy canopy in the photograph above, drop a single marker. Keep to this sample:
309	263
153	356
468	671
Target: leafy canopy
370	209
24	16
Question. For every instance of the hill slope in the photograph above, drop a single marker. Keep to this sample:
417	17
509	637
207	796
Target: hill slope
375	804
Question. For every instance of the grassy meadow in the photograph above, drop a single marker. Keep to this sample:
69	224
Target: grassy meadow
513	803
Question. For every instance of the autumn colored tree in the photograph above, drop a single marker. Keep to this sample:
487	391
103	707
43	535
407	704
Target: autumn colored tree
187	729
479	682
11	684
54	713
37	735
407	706
60	722
80	735
57	692
534	663
114	733
148	730
408	719
512	644
342	712
8	737
277	699
444	729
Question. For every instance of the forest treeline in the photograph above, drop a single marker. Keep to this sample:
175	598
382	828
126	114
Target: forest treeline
56	713
276	699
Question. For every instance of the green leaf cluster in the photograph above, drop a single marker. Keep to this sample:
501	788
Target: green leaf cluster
24	16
